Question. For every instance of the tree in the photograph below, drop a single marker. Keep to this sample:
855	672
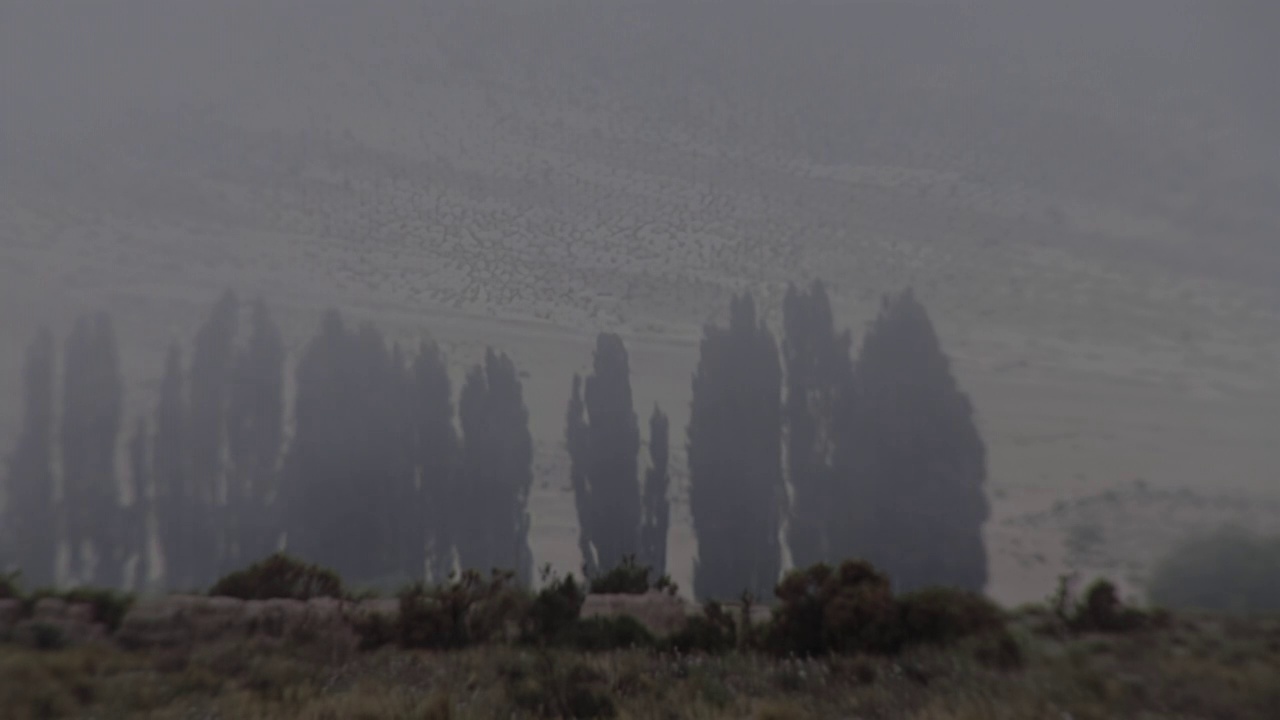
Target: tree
178	516
346	480
255	433
496	470
607	488
657	510
211	363
30	517
92	400
736	489
137	515
818	372
436	456
916	456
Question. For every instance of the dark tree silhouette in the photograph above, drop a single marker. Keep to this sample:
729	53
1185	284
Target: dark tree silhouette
137	515
917	458
657	510
609	512
345	477
435	447
577	439
211	363
255	432
818	372
92	400
736	490
30	521
496	470
178	515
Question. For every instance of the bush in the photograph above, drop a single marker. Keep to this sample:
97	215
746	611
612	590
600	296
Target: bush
554	609
109	606
713	632
548	690
598	634
1230	570
466	611
824	610
941	615
1102	611
629	578
10	587
279	576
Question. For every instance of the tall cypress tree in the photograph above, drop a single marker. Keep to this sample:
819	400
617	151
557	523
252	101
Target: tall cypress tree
737	495
916	454
137	515
577	443
90	433
657	509
496	470
255	432
347	471
211	362
176	512
609	512
31	515
436	456
818	373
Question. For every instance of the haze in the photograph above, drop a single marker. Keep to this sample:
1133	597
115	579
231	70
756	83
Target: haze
1085	194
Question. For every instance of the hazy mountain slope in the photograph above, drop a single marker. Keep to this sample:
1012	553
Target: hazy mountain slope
1084	194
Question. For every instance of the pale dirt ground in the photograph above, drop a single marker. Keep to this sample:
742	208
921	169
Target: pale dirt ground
1109	332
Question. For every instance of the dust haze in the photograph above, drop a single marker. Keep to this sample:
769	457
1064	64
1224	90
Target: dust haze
1085	194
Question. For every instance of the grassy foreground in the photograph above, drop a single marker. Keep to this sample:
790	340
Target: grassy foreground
1195	667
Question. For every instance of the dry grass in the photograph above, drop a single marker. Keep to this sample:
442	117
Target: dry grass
1200	667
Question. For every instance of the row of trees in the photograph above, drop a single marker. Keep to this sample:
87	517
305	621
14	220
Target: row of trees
384	480
876	456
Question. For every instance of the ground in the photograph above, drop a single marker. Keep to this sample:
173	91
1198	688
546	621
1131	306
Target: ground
1202	667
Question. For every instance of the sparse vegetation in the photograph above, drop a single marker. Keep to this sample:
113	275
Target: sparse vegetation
279	576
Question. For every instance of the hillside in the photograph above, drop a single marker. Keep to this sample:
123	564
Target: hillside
1083	195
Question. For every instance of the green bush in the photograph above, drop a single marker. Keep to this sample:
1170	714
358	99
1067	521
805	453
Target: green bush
629	578
545	688
554	609
468	610
621	632
713	632
1230	570
941	615
279	576
823	610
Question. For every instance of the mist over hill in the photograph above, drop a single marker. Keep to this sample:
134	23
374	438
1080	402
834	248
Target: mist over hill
1084	193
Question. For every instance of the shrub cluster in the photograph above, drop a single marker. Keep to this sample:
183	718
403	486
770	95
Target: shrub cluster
1100	610
852	609
279	576
630	578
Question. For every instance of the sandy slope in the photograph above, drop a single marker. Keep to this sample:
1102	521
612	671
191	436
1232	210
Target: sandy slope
1099	257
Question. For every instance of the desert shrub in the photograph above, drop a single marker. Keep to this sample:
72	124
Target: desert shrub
823	610
374	630
942	615
10	585
999	650
1230	570
109	606
1101	610
597	634
629	578
554	609
279	576
549	689
47	636
713	632
468	610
